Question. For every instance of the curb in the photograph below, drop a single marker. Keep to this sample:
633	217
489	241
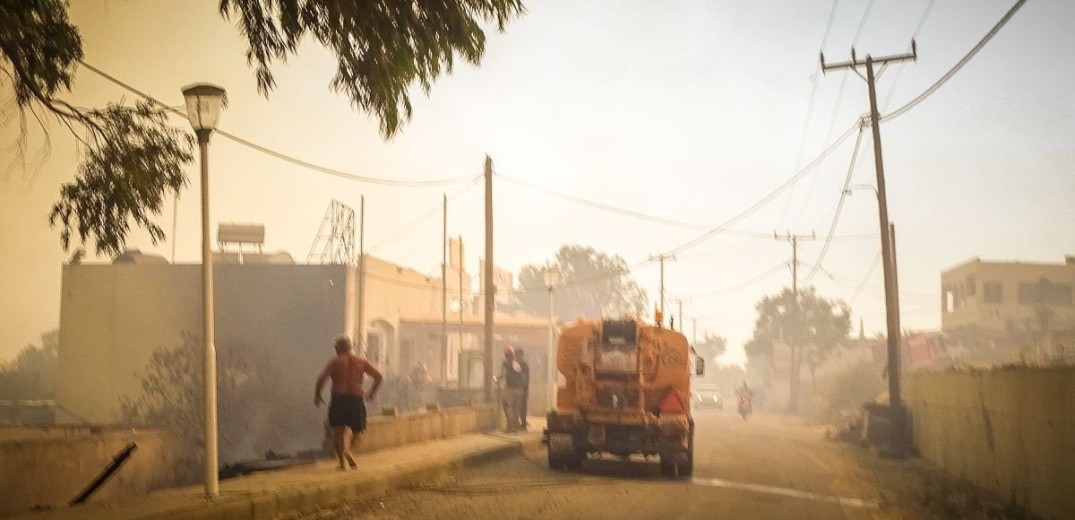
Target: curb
310	496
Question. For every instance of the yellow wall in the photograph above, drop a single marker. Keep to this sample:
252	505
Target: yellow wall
1006	430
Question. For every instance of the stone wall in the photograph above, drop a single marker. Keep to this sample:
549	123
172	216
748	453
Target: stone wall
1008	430
49	466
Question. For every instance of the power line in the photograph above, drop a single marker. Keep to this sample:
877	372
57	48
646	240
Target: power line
955	68
839	205
862	23
602	206
839	97
828	27
429	183
899	70
732	288
766	199
866	279
432	210
643	216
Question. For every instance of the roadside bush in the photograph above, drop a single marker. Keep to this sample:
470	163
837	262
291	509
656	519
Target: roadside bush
848	389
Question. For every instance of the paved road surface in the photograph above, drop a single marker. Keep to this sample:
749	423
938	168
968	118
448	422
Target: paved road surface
765	467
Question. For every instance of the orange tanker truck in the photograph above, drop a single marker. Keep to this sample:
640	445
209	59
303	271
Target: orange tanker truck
627	392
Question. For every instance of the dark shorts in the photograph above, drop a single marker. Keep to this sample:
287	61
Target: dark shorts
347	410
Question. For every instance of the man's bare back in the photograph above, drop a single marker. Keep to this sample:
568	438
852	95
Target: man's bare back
348	372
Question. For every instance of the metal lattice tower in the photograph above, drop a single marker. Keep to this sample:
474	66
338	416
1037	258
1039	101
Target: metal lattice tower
335	242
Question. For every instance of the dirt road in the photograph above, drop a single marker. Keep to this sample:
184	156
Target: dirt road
768	467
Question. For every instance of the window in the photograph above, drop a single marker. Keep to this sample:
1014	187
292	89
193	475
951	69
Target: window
969	286
992	292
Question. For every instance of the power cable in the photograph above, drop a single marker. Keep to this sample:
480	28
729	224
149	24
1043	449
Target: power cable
429	183
639	215
432	210
828	27
732	288
955	68
866	279
900	66
862	23
602	206
839	98
839	205
766	199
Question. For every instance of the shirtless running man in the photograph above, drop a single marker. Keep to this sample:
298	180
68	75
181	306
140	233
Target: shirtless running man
346	408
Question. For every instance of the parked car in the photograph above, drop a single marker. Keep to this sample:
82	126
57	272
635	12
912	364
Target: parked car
708	394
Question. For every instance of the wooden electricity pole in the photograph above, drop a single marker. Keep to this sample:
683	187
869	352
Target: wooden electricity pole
792	339
444	297
888	263
490	287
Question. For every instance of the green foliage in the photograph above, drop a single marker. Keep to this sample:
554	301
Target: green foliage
132	159
592	284
135	159
382	48
32	374
813	322
41	46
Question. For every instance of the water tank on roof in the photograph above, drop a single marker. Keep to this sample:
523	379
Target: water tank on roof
135	256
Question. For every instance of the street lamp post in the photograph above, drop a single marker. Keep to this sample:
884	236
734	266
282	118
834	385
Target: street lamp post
552	278
204	102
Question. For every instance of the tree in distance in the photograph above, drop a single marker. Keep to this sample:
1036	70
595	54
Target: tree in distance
131	157
810	326
591	284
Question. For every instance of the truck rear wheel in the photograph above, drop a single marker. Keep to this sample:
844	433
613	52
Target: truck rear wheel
677	462
686	468
563	453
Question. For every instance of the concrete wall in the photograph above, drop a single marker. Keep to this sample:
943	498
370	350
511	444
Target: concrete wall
387	432
1010	431
48	467
113	316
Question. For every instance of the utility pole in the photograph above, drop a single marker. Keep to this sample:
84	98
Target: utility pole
694	330
490	287
896	302
462	262
888	263
660	304
360	340
444	297
679	318
793	343
552	278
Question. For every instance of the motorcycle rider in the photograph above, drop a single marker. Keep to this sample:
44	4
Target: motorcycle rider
746	397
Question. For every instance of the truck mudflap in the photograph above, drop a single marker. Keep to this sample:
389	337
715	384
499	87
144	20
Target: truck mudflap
675	429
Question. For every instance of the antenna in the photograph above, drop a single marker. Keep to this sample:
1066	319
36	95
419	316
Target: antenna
335	241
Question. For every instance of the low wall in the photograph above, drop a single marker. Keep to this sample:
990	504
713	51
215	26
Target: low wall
390	431
1009	430
49	466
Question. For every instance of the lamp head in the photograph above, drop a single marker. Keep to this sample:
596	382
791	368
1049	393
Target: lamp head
204	102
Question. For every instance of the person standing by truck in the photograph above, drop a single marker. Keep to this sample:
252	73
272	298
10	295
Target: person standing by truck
525	397
514	379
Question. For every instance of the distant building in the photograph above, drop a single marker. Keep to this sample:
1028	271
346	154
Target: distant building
1002	307
114	316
